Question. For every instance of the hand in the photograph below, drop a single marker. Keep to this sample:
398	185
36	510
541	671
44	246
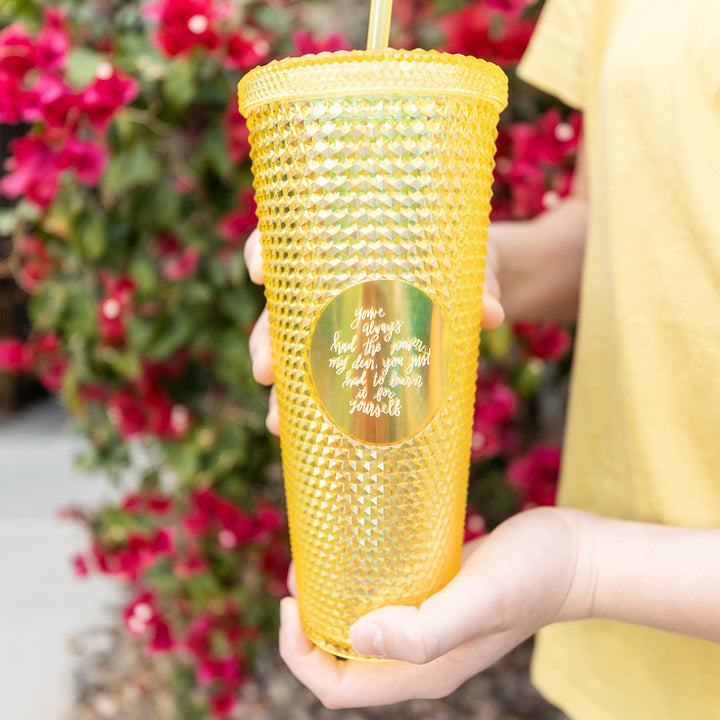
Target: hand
493	316
512	582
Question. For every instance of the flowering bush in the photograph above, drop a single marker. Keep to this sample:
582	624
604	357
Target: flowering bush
132	183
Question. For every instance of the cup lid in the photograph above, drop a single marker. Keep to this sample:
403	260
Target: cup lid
373	72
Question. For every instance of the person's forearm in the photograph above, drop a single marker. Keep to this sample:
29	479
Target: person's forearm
540	262
661	577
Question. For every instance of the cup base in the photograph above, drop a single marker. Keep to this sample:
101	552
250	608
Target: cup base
342	651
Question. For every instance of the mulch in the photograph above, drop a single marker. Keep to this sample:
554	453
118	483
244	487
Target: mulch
116	680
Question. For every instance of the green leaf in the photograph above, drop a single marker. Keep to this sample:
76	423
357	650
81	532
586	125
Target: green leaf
140	333
161	207
124	363
496	344
528	379
129	168
178	330
214	148
144	272
276	19
184	457
178	86
48	305
237	304
81	313
13	10
82	64
70	392
94	236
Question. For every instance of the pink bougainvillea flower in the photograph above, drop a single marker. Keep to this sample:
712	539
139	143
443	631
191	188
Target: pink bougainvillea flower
534	165
56	103
141	609
535	475
126	413
115	308
495	409
71	512
80	567
197	640
137	552
223	703
165	418
161	639
162	542
176	261
48	360
244	51
16	103
268	520
142	619
548	140
305	44
236	225
508	7
151	502
13	355
228	670
34	171
110	91
184	25
17	51
190	566
35	263
235	525
475	525
86	159
93	392
53	42
275	564
546	341
236	134
483	31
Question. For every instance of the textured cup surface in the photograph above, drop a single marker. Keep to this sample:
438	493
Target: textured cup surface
373	174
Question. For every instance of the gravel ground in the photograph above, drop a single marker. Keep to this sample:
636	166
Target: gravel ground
116	681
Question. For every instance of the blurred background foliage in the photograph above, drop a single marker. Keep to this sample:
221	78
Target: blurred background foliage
130	200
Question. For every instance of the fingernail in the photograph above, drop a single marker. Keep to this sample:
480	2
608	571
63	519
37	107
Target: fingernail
367	639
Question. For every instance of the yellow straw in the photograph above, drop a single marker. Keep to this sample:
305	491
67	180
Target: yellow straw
379	25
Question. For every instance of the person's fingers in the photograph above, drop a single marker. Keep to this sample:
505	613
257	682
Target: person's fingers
272	421
312	666
292	580
493	314
253	257
443	622
260	354
357	683
491	284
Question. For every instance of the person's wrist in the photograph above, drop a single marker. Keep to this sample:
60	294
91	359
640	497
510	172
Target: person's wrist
579	602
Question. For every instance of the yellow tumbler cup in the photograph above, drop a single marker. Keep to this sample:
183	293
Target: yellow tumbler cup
372	174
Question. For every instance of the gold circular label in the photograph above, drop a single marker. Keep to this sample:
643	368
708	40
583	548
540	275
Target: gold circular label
379	359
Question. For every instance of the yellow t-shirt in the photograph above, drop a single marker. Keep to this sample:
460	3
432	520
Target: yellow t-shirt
643	438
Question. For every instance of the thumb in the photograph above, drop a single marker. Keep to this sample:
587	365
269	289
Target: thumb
421	634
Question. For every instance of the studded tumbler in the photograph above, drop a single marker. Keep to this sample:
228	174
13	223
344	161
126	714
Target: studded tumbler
372	173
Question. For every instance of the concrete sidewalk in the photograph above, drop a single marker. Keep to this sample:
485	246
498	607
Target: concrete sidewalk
42	604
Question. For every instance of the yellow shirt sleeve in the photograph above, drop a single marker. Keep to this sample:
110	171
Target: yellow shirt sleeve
556	58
